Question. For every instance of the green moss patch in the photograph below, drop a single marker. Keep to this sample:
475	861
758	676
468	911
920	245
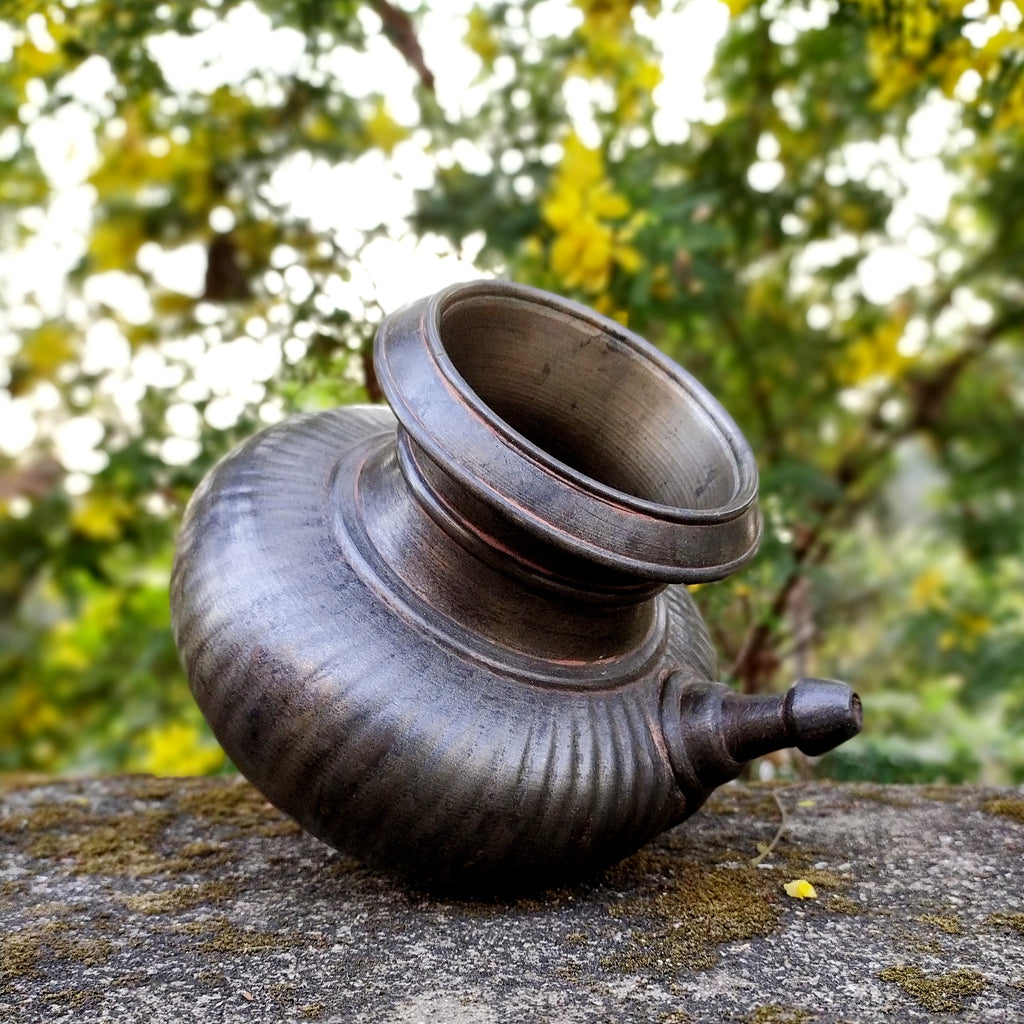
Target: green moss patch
1006	806
20	954
13	781
777	1015
219	935
942	993
136	844
26	951
686	911
1008	919
237	805
182	897
838	904
948	923
120	844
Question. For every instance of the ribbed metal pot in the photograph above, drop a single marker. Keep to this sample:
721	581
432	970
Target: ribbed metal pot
450	637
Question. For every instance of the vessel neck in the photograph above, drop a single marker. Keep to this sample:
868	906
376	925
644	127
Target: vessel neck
499	542
483	585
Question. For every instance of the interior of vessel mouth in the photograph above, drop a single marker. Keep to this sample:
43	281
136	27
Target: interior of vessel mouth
590	400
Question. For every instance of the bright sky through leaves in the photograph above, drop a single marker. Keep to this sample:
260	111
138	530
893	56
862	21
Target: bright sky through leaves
372	191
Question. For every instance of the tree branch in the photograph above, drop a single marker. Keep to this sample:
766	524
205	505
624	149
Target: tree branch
398	28
930	395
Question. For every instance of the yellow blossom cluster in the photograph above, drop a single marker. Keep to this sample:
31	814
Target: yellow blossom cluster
614	51
916	41
875	355
480	37
177	748
931	591
101	516
968	628
38	55
910	41
382	130
587	217
737	7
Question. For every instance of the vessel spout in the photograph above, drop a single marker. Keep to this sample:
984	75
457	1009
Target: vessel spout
711	731
815	716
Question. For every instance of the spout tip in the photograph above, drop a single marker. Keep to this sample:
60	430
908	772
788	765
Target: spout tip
821	714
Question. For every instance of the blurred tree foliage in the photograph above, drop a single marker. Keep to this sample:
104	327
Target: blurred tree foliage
781	238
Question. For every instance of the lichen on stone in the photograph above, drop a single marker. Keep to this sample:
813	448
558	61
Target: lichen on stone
1007	807
686	911
773	1014
181	897
942	993
1007	919
839	904
239	805
949	923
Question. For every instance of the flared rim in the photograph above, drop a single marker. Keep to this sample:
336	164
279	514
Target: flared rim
461	432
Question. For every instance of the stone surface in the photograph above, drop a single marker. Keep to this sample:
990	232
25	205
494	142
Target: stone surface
149	900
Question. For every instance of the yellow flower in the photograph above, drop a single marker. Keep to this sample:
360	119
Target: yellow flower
915	41
115	244
801	889
47	349
609	17
101	516
613	50
33	714
968	628
480	36
737	7
605	306
31	62
661	282
178	749
647	76
317	126
581	256
928	590
581	207
64	648
382	130
875	355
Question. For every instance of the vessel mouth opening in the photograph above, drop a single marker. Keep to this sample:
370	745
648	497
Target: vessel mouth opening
597	401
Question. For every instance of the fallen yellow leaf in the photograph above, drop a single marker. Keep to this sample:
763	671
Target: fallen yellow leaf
801	889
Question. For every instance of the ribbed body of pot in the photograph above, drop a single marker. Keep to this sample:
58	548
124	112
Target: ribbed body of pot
442	638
